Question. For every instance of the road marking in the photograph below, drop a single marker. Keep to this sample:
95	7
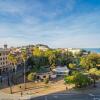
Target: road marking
63	94
46	98
55	96
90	94
95	97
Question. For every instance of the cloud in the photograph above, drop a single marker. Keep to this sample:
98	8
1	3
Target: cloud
12	7
49	23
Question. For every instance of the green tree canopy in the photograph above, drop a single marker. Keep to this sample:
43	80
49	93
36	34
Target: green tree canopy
95	74
72	66
89	61
12	58
79	79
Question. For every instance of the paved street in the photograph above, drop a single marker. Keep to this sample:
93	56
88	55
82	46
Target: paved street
69	97
57	96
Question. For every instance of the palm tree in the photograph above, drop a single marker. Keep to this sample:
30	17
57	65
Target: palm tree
52	61
12	59
24	57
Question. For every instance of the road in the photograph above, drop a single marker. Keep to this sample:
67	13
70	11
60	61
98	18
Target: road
64	96
57	96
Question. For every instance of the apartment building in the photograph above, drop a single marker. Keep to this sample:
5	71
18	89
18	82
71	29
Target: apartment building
4	63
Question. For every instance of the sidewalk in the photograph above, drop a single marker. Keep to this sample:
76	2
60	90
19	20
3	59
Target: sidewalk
41	89
32	92
4	96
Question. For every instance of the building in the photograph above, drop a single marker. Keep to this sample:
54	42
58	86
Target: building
61	70
4	63
42	47
74	50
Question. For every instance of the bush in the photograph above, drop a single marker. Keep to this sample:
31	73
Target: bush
78	79
46	79
82	80
32	77
72	66
69	79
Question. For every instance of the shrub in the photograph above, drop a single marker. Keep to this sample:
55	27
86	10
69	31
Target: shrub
31	76
78	79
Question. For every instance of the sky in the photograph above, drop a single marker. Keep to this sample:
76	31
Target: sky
57	23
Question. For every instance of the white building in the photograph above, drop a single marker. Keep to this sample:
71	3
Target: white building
59	70
42	47
72	50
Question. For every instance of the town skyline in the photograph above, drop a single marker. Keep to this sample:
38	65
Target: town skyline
25	45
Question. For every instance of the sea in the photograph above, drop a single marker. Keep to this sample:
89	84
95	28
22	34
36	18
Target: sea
95	50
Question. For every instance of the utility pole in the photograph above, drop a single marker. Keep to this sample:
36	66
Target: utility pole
9	83
24	60
67	57
24	74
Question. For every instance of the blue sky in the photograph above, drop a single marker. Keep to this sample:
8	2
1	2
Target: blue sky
57	23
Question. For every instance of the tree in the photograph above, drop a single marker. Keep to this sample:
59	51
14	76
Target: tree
39	58
69	79
95	74
72	66
51	56
30	61
46	80
13	59
82	80
85	63
89	61
24	59
23	56
78	79
52	61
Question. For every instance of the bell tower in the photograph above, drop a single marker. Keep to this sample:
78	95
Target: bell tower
5	46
